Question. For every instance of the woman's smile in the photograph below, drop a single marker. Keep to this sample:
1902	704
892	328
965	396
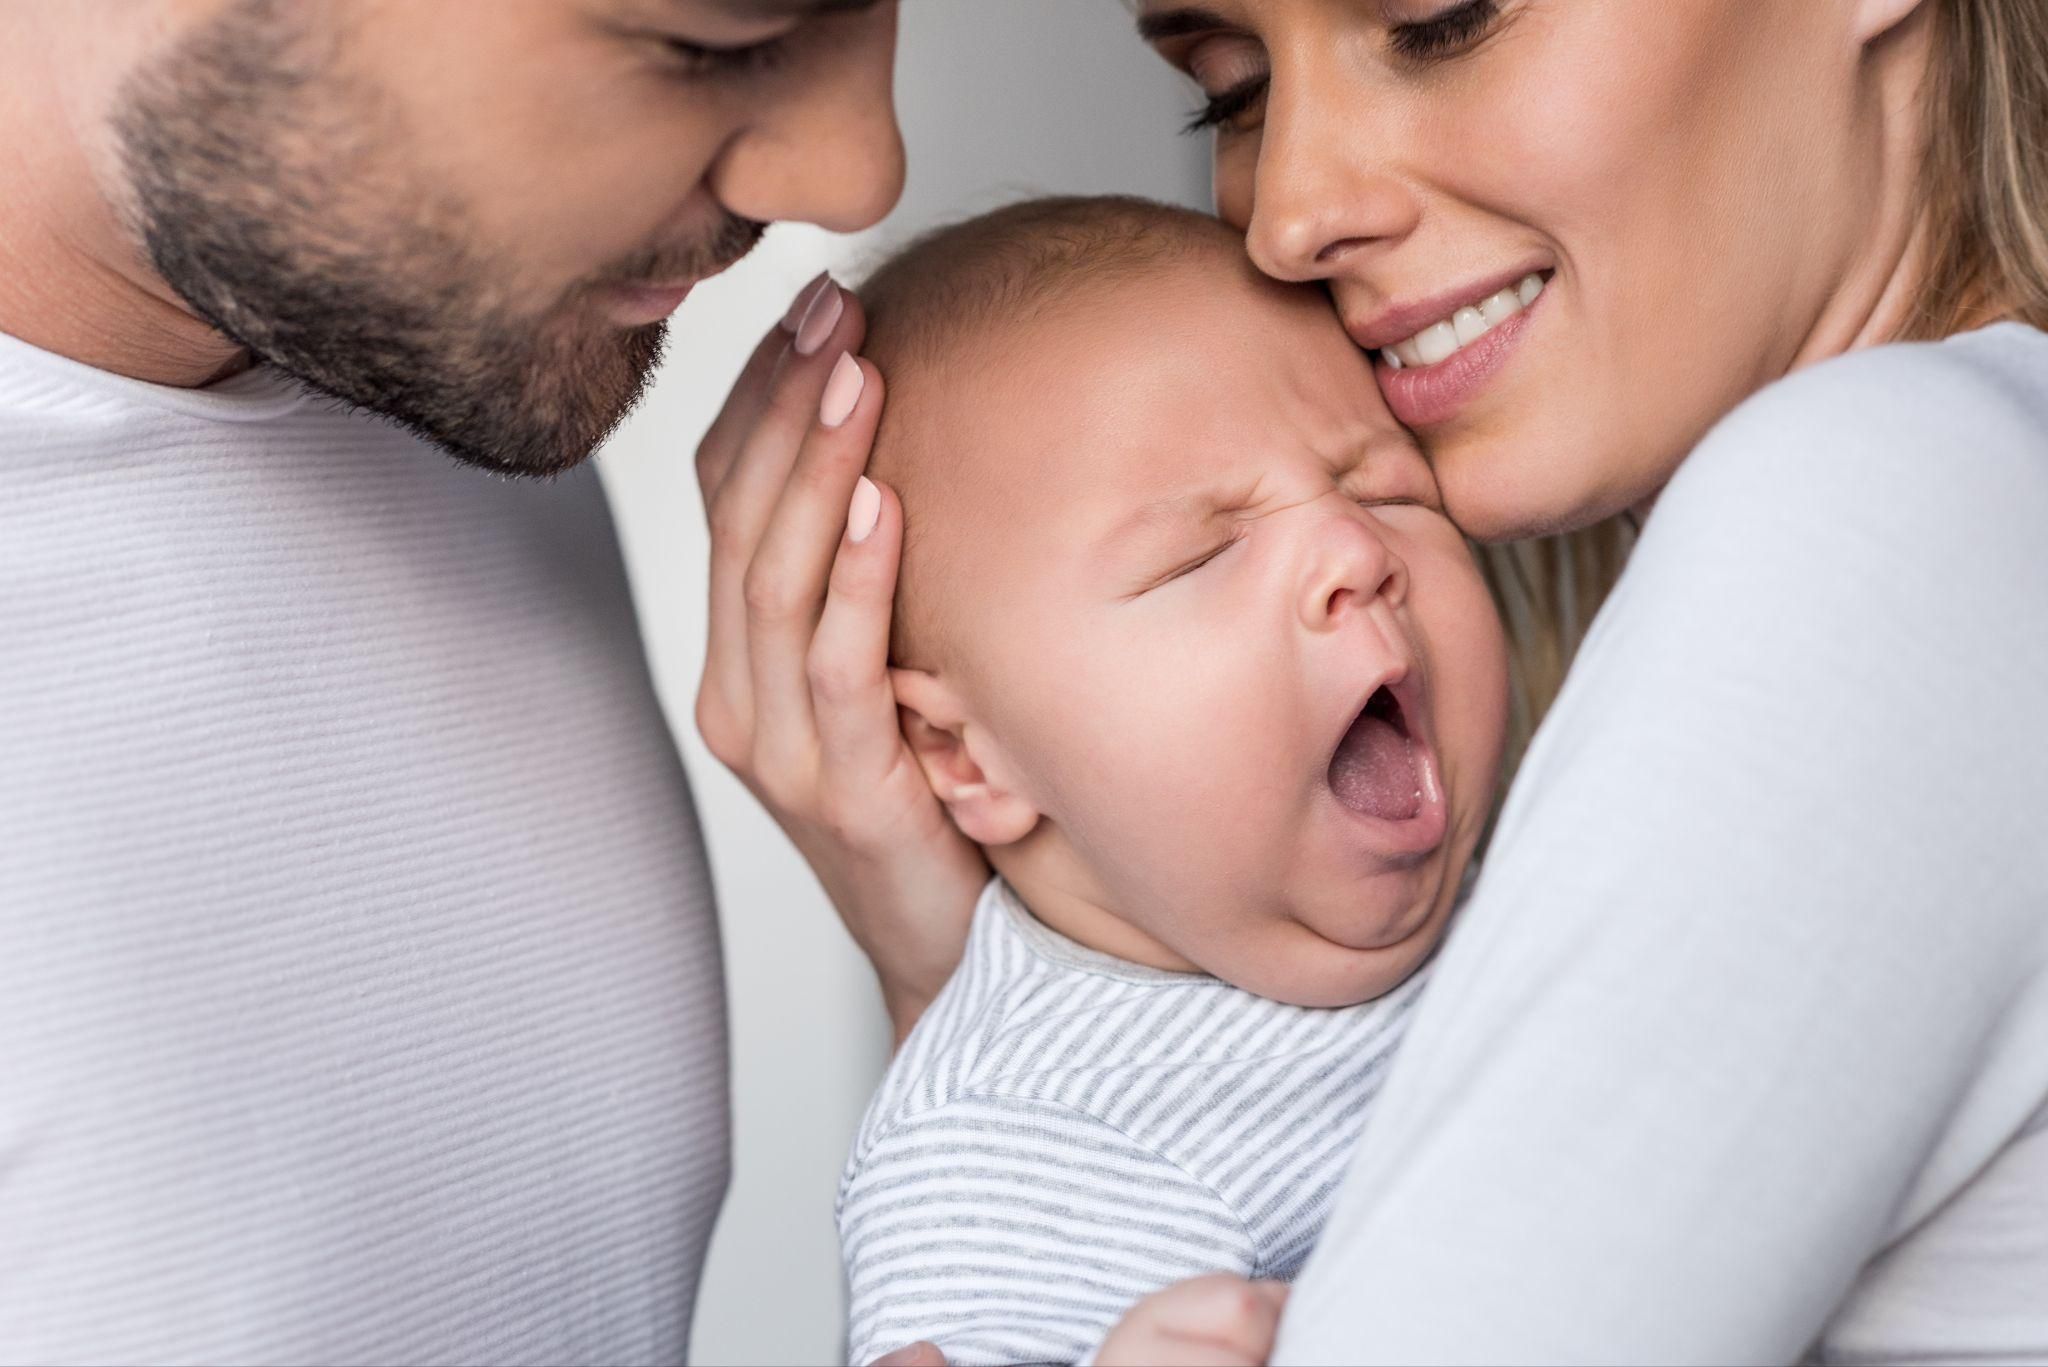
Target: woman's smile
1431	373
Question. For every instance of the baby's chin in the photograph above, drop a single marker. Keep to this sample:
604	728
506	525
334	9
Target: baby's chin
1329	975
1343	959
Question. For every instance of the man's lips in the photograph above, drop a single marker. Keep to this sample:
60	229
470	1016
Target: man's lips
637	305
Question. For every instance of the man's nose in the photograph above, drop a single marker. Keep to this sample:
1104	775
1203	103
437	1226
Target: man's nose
1350	566
827	151
1319	199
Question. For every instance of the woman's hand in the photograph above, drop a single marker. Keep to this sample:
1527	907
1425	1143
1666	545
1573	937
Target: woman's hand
795	697
1213	1321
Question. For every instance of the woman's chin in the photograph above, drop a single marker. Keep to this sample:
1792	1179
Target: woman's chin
1510	491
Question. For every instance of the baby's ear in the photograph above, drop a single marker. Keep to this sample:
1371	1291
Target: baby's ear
961	760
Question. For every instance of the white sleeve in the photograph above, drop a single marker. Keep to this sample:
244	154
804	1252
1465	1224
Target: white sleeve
1753	979
1017	1231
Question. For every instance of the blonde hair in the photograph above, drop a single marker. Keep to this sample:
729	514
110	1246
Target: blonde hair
1985	169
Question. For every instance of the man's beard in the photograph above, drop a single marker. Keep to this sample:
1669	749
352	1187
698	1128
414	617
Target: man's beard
261	200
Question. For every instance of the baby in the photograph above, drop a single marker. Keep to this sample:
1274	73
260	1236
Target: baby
1185	642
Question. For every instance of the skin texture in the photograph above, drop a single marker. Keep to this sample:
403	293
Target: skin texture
1723	191
1353	170
439	212
1732	200
1135	703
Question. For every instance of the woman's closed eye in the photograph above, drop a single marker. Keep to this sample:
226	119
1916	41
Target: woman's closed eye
1446	33
1233	97
1231	70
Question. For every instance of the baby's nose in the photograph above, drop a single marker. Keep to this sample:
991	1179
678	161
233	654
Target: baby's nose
1349	568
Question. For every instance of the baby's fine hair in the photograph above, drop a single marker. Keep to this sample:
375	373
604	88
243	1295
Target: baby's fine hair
931	302
1007	264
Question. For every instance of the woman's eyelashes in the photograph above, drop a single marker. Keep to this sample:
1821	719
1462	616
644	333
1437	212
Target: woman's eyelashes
1446	34
1228	106
1231	70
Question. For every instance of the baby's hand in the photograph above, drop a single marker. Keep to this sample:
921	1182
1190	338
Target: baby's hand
1214	1321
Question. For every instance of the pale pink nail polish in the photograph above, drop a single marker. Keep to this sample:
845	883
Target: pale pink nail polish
864	512
802	302
819	319
842	390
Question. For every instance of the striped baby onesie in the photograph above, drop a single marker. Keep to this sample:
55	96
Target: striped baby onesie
1065	1133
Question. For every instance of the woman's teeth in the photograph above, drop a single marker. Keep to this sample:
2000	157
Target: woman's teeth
1437	341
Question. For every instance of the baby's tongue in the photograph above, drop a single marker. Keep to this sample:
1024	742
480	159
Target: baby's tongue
1374	770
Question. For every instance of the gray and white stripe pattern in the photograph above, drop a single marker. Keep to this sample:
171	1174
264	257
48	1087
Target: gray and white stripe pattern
1065	1133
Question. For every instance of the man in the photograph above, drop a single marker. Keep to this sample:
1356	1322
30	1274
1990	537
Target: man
359	986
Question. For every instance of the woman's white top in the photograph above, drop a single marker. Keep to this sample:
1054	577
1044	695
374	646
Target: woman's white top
1739	1053
359	983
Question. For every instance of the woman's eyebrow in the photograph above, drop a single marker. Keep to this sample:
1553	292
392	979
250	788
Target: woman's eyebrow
1155	25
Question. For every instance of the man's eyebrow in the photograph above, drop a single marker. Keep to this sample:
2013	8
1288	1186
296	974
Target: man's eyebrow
1176	23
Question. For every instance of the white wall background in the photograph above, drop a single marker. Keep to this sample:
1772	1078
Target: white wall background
998	98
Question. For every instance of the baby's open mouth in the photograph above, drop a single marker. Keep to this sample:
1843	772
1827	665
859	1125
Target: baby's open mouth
1376	770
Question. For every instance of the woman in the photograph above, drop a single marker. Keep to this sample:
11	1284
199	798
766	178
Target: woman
1740	1050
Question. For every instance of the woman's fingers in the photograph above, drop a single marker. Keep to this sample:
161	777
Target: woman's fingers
721	442
1155	1348
786	584
1242	1317
833	323
742	504
849	656
1216	1319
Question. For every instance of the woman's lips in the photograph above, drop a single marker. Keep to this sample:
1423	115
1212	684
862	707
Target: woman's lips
1424	396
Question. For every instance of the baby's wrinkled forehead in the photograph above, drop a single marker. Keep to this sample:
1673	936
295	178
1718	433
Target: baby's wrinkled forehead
1088	361
1190	388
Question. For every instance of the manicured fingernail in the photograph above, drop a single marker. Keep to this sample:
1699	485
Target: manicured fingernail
802	301
842	391
819	319
864	512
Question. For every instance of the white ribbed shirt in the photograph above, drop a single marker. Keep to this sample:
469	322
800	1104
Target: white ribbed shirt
359	985
1064	1133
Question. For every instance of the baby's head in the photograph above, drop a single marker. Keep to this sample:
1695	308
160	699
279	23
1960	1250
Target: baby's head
1184	639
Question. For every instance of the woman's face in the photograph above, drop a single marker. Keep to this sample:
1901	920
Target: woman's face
1694	183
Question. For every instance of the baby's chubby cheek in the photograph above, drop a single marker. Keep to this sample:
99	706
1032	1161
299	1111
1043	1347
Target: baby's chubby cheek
1184	768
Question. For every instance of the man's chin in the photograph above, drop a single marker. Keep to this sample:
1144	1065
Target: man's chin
554	415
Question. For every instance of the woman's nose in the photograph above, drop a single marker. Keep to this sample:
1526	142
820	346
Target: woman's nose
828	153
1350	568
1319	194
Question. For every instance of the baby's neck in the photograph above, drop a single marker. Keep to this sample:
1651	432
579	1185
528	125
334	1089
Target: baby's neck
1061	894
